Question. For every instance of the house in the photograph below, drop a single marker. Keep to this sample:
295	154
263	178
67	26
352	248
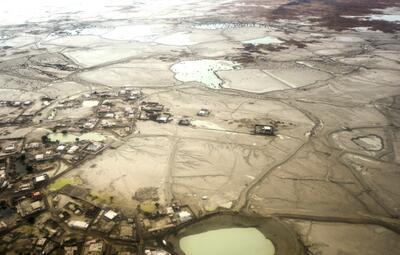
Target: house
109	115
33	145
89	125
37	205
26	207
263	130
152	107
39	157
3	225
110	215
94	147
185	121
17	103
203	112
10	148
73	149
71	250
40	180
94	247
78	224
170	211
156	252
60	148
24	187
163	118
184	216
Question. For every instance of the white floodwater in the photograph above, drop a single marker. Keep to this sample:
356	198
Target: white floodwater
263	40
385	17
70	138
90	103
206	124
228	241
202	71
21	11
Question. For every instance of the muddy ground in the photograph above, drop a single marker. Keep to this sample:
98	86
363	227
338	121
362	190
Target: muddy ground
331	87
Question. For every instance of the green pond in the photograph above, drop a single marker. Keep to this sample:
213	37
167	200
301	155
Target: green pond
228	241
70	138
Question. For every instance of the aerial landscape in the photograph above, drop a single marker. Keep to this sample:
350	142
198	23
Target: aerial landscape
200	127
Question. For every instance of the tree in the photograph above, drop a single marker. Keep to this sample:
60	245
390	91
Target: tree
45	139
29	168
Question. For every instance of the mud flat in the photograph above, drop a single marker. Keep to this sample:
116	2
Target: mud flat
251	80
284	240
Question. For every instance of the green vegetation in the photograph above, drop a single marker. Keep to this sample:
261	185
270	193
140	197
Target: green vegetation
60	183
148	207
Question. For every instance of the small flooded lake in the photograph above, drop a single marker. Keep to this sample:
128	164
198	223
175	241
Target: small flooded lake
263	40
70	137
203	71
90	103
225	25
227	241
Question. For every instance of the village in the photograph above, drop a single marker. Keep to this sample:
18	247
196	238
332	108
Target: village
44	215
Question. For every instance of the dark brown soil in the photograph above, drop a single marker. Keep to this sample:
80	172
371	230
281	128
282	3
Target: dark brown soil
329	13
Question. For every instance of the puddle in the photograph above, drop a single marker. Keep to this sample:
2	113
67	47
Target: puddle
206	124
369	142
203	71
90	103
385	17
263	40
70	138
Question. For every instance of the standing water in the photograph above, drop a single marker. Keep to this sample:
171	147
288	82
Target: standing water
202	71
228	241
70	138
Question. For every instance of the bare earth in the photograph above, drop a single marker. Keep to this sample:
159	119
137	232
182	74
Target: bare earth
331	172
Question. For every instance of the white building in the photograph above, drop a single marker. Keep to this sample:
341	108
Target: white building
73	149
39	157
185	216
110	215
60	147
78	224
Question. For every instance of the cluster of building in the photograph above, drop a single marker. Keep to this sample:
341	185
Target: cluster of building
64	220
165	218
15	103
154	111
